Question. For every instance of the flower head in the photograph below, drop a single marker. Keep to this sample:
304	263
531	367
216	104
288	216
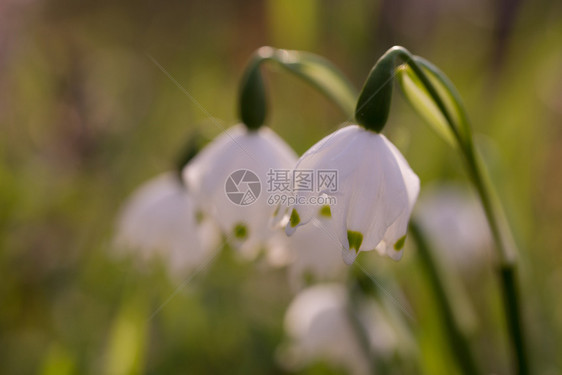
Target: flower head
315	252
376	193
454	220
235	156
159	219
319	327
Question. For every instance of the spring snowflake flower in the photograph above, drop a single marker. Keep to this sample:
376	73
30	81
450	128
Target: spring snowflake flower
315	254
319	327
159	219
455	222
223	167
375	195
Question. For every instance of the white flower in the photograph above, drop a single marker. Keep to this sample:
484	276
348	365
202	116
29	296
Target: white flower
316	253
239	149
376	193
159	219
455	222
311	254
319	327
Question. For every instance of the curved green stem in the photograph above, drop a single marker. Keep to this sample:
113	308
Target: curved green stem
312	68
460	128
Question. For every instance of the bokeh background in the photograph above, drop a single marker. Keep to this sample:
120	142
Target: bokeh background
86	116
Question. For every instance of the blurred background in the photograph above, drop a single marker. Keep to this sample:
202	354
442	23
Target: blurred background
86	116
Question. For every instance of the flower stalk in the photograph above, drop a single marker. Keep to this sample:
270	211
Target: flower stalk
312	68
436	84
506	251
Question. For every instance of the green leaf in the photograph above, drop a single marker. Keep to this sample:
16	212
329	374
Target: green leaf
423	104
450	97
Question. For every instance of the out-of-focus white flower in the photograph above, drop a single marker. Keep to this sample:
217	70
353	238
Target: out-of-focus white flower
239	149
376	193
319	327
159	218
316	252
455	223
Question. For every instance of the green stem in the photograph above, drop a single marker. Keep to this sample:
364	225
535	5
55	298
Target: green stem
374	100
315	70
460	344
494	214
512	300
507	267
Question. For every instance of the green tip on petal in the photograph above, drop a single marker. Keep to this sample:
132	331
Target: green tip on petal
276	211
400	243
240	231
355	239
295	218
199	216
325	211
308	278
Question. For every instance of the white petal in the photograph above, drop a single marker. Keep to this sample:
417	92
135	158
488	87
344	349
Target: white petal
394	237
327	155
376	191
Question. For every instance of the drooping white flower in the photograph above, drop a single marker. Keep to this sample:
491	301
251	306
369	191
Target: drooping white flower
455	222
159	220
220	171
315	252
375	195
319	327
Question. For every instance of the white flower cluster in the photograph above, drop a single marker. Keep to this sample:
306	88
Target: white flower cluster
182	219
376	193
